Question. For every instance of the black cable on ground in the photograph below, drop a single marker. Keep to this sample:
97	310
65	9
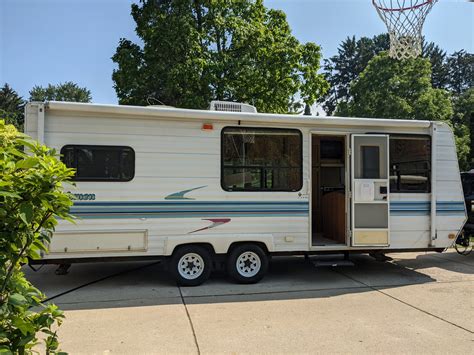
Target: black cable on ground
98	280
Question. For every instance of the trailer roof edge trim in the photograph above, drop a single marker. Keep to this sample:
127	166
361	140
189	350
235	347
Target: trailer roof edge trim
151	112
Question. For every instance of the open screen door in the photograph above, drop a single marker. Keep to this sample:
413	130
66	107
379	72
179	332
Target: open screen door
370	190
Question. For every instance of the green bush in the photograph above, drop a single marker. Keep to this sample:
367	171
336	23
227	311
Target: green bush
31	201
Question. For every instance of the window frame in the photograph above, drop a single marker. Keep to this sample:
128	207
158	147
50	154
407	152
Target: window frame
408	136
300	180
103	147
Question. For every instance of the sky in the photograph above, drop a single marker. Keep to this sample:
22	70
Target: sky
53	41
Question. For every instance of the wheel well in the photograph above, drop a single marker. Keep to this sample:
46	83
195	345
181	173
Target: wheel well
207	246
260	244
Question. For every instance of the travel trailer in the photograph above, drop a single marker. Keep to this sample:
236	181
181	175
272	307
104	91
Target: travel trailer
232	186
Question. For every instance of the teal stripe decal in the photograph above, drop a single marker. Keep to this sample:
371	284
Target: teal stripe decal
188	215
190	209
420	208
185	203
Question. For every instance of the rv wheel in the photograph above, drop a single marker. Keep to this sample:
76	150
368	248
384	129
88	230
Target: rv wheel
191	265
247	263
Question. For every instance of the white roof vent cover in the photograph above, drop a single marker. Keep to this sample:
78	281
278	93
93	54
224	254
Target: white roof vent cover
231	107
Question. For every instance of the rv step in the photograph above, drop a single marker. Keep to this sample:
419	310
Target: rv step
332	263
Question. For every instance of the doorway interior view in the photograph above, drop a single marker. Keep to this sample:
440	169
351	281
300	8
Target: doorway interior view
328	190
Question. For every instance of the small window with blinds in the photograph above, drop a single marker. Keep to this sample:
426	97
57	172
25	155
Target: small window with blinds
100	162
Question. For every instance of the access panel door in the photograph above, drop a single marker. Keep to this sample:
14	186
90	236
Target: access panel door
370	209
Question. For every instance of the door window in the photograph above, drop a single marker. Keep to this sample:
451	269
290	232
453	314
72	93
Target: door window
370	156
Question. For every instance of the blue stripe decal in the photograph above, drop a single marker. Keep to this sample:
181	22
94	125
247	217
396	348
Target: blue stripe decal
190	209
195	215
184	203
443	208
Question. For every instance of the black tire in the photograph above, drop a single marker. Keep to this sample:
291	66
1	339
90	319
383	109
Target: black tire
191	276
249	273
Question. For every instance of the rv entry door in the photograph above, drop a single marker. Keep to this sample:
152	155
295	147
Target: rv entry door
370	209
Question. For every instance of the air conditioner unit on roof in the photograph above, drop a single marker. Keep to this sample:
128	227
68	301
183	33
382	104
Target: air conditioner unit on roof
231	107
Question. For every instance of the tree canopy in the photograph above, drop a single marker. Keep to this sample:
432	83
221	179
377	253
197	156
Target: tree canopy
390	88
454	73
11	106
342	69
463	124
460	65
67	91
195	51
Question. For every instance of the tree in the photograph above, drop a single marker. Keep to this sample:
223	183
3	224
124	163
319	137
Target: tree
439	69
461	72
31	201
11	107
354	55
200	50
352	58
390	88
67	91
463	123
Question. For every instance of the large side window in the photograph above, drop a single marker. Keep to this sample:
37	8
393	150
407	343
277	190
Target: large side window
410	164
261	159
100	162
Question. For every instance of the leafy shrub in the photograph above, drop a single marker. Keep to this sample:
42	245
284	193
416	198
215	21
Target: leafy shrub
31	201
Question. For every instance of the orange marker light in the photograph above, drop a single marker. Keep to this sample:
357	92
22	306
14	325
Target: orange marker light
207	126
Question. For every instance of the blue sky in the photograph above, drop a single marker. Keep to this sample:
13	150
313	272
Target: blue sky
52	41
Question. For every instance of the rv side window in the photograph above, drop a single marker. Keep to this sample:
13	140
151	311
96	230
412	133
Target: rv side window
100	162
261	159
410	164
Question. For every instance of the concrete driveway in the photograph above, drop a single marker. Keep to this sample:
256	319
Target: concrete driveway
417	303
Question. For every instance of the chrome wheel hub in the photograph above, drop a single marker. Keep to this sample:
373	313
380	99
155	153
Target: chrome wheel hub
248	264
191	266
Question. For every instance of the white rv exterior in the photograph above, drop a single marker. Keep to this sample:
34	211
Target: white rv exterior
176	196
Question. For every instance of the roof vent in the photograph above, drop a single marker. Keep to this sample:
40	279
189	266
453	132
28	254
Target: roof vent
231	107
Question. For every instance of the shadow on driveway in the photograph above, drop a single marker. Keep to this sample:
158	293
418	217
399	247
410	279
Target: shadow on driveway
134	284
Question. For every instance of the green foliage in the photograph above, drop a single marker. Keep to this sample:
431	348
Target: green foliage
197	51
461	72
391	94
354	55
390	88
67	91
342	69
463	124
11	107
31	200
439	69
